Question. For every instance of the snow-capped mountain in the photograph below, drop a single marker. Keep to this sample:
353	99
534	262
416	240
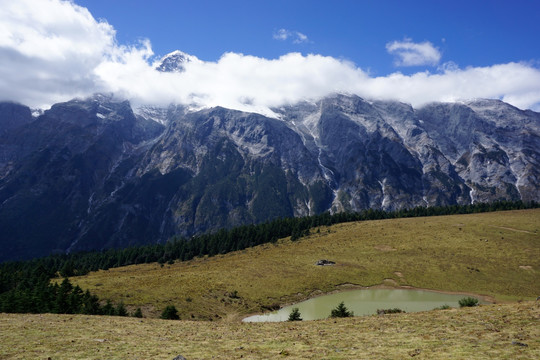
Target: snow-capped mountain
175	62
91	174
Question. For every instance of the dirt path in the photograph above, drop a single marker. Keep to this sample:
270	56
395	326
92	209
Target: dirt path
512	229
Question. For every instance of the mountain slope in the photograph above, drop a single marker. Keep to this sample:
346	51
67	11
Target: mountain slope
55	165
90	174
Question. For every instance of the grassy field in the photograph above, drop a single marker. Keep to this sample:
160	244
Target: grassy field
491	254
501	331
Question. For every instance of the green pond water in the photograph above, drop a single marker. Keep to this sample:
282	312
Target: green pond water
364	302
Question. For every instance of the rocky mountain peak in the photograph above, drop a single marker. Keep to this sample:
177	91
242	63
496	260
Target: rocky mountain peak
175	62
103	176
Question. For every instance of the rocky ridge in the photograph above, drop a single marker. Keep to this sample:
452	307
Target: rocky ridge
92	174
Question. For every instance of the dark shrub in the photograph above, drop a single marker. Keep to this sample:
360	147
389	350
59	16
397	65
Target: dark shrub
468	302
170	313
138	313
443	307
389	311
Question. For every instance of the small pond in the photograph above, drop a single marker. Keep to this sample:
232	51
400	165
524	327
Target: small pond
365	302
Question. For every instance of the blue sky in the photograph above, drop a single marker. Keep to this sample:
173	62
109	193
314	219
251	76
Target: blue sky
255	55
469	33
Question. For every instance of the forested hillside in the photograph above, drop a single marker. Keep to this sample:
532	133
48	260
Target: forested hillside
25	286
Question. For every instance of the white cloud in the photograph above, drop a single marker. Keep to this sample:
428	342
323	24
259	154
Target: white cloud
49	48
253	83
408	53
281	34
81	57
515	83
300	38
296	36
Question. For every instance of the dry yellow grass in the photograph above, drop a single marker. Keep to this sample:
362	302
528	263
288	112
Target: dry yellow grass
501	331
493	254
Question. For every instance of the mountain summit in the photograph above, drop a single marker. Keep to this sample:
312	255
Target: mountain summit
175	61
91	174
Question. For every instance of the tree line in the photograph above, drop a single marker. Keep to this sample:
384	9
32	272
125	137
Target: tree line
25	285
38	295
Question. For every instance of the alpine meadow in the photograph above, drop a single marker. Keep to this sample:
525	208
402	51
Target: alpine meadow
299	179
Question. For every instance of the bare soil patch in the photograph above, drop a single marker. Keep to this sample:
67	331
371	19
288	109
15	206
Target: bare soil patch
384	248
391	282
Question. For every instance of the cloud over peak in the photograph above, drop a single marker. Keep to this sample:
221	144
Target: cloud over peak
408	53
52	50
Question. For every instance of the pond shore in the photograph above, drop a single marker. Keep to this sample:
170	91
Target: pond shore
366	301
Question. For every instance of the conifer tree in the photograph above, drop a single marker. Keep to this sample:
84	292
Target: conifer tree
120	310
170	313
108	309
138	313
341	311
295	315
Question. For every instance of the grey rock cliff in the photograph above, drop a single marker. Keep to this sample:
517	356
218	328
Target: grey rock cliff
91	174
